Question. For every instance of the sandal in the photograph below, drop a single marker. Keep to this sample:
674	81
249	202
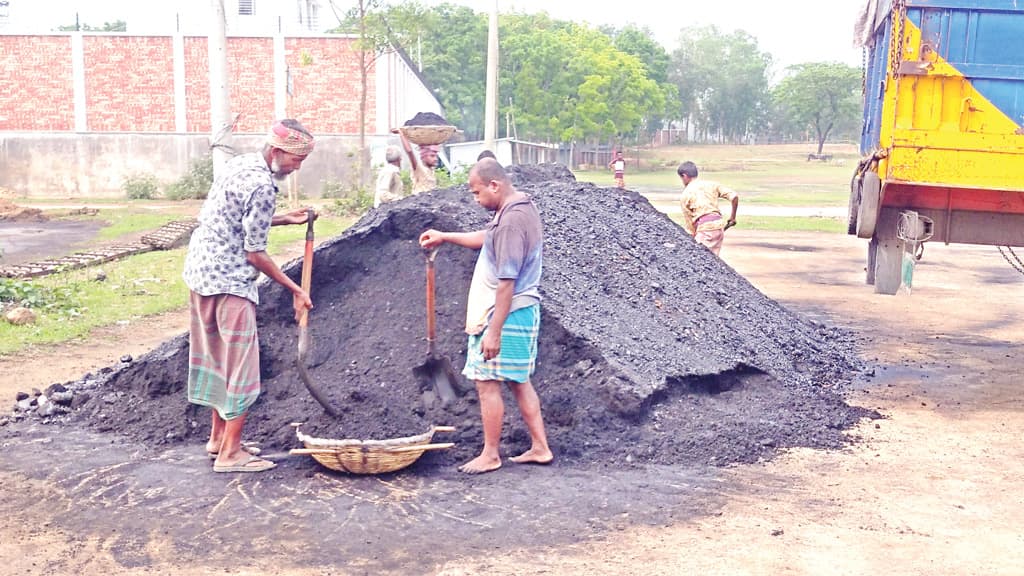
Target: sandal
249	464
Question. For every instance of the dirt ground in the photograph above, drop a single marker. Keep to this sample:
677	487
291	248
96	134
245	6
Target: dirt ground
934	488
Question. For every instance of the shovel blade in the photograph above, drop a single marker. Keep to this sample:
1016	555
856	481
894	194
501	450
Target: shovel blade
439	373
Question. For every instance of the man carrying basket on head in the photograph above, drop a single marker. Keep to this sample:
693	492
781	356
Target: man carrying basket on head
423	176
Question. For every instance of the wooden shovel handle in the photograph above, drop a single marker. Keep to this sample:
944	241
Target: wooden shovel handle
431	320
307	265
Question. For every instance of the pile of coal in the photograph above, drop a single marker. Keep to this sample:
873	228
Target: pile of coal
652	350
427	119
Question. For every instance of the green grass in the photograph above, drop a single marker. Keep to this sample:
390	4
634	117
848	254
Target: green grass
123	222
766	175
786	224
137	286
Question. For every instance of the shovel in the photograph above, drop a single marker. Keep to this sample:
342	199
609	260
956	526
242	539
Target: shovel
304	340
438	371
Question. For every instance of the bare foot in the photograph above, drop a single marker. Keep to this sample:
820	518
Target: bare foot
480	465
534	456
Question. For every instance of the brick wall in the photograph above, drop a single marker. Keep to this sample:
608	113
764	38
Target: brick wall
35	83
326	85
129	83
250	83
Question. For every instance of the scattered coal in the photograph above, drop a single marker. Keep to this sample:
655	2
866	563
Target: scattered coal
652	350
427	119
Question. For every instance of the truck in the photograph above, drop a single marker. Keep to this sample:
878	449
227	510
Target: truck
942	144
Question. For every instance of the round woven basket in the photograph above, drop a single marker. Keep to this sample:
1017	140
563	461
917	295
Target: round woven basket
428	135
370	456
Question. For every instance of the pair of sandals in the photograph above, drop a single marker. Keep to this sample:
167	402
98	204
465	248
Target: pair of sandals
251	463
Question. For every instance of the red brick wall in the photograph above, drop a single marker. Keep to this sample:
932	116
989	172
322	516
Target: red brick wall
326	87
129	83
251	83
36	90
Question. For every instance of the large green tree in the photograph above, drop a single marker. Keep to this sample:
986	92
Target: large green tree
569	82
656	60
722	81
821	97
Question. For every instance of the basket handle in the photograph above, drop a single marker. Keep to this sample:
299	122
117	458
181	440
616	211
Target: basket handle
423	447
415	448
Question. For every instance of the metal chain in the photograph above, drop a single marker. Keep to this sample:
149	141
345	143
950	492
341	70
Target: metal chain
896	43
899	14
1017	264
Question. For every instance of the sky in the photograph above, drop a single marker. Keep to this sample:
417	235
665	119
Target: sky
792	31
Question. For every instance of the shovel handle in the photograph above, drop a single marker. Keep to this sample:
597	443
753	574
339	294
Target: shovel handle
307	264
431	321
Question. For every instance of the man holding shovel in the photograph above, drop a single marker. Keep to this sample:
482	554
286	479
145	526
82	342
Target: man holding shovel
503	310
701	216
226	254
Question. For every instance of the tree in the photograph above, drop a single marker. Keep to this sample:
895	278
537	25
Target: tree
656	60
820	96
365	20
722	81
569	82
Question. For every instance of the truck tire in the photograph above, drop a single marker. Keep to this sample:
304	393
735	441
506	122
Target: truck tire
869	205
854	205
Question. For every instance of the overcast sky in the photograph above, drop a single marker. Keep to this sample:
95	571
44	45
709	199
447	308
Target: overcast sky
793	31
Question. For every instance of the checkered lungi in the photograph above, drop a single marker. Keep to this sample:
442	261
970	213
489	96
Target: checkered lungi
518	356
224	354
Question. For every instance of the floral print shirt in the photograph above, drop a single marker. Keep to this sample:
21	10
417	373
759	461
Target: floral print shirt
234	220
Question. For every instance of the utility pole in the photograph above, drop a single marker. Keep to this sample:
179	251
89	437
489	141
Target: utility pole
491	93
220	104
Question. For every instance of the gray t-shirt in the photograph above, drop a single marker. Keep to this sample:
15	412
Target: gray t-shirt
513	250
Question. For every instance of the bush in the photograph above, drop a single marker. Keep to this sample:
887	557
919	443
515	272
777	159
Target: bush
195	184
455	178
348	200
141	187
22	293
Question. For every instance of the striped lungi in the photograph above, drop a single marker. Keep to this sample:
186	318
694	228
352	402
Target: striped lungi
518	356
224	354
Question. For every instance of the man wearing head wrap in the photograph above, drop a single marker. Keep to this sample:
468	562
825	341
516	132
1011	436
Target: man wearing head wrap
423	176
226	254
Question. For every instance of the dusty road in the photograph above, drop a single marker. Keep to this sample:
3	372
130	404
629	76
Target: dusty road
935	488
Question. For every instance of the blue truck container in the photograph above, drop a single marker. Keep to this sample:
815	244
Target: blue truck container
942	147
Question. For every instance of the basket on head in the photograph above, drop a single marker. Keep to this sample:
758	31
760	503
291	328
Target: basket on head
370	456
428	135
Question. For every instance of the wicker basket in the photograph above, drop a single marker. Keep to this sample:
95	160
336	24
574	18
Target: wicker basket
370	456
428	135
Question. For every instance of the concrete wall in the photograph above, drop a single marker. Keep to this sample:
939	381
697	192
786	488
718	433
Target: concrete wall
68	165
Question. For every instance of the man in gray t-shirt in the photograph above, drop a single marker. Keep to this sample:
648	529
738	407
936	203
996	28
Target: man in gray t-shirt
503	310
